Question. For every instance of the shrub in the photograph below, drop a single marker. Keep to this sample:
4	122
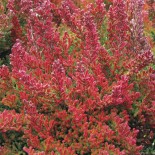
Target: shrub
68	90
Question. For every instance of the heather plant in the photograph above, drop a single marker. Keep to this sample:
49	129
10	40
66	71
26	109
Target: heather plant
70	91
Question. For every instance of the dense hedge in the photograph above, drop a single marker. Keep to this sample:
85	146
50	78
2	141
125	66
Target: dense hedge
80	77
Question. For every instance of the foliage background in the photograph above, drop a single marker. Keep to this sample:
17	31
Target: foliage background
70	30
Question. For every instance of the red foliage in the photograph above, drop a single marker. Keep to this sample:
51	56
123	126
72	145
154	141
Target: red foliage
71	94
